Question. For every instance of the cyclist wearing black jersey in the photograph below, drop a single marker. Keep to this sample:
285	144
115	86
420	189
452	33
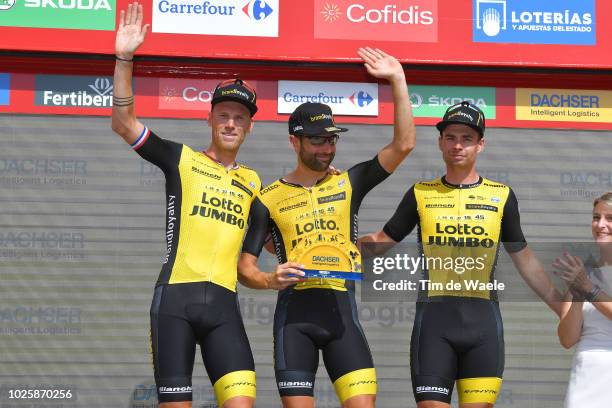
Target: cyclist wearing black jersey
458	335
307	204
208	200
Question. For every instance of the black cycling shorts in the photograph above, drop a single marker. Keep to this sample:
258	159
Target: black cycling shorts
201	312
457	339
310	320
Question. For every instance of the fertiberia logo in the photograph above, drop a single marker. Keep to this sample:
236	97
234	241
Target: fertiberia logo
74	14
73	91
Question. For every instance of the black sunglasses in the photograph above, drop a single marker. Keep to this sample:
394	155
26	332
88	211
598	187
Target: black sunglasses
321	140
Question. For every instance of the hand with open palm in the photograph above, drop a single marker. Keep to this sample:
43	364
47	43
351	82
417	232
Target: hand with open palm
380	64
131	33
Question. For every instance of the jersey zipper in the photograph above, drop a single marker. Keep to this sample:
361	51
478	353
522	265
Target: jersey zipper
225	175
315	216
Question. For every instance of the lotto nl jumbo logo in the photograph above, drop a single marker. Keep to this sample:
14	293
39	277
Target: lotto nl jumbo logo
491	16
256	9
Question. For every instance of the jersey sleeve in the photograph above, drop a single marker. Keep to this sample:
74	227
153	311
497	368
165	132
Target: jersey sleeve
365	176
258	228
511	232
405	218
165	154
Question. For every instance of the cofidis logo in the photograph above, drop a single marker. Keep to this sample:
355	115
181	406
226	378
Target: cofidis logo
570	22
257	18
387	20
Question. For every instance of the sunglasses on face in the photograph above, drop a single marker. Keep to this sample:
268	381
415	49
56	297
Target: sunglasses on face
321	140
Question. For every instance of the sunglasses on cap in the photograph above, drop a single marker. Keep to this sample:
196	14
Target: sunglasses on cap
321	140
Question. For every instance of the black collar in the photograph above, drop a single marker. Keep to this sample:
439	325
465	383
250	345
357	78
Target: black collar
475	184
319	181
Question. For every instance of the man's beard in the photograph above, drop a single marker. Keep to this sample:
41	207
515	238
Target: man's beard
310	160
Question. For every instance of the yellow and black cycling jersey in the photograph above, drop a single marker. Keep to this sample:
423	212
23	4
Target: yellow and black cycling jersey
207	209
318	314
293	213
459	230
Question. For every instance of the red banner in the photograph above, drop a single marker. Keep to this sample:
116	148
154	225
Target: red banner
190	99
416	31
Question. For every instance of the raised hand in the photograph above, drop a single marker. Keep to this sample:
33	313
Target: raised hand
379	64
131	33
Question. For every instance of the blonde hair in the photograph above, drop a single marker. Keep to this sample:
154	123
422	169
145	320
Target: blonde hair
605	198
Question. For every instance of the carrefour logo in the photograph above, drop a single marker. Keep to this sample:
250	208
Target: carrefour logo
254	9
257	9
541	22
361	98
217	17
345	98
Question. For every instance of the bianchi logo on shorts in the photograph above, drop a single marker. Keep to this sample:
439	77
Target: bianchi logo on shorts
428	388
294	384
174	390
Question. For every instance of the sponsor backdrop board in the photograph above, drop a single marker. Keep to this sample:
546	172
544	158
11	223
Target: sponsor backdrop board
550	33
82	242
352	102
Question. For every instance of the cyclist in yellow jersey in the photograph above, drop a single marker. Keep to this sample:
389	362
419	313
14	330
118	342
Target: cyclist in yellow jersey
320	314
458	335
208	201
